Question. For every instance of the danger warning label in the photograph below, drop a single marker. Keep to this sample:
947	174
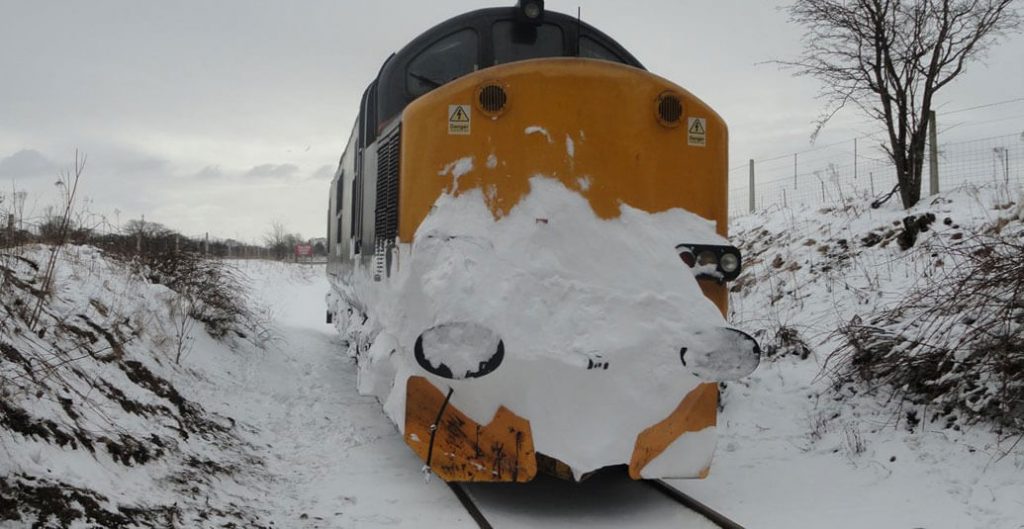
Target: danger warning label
459	119
697	132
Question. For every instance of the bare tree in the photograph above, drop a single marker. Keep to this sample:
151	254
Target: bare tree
890	57
147	229
279	241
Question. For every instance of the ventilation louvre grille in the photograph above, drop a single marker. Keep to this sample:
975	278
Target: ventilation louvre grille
493	98
670	109
386	214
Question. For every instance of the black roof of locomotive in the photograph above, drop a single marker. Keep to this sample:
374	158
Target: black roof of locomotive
392	93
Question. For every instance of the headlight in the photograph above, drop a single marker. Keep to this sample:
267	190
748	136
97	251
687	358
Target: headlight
717	262
707	258
730	262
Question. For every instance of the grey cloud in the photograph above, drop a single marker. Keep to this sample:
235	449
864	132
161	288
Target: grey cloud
27	163
142	165
325	172
210	172
270	170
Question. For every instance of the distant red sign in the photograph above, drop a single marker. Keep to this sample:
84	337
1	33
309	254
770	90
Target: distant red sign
303	250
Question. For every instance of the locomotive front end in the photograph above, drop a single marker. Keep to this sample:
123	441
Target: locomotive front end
581	207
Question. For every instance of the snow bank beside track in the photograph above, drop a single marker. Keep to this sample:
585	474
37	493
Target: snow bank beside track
98	423
801	448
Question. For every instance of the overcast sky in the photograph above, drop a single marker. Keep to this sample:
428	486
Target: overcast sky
223	116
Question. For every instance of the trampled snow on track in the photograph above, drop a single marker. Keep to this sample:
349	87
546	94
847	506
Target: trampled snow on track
334	460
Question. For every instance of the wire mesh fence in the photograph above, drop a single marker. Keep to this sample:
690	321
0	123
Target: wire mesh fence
833	173
135	237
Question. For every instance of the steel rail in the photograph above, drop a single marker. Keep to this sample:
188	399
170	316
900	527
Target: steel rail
691	503
470	505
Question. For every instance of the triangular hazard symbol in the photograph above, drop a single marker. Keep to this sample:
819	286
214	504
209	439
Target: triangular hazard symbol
697	127
459	116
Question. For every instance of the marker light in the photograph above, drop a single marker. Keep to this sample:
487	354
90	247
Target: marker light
687	256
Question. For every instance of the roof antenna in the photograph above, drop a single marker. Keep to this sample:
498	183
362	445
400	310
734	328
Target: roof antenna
579	29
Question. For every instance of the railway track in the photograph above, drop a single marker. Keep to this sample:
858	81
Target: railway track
691	503
614	501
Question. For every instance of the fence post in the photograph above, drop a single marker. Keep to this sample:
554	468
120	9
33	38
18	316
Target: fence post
206	244
855	158
933	154
751	185
794	170
10	228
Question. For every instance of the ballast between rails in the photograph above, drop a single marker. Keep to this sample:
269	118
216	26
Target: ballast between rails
667	490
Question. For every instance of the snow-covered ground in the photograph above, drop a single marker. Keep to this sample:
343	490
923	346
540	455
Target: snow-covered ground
794	452
333	458
305	450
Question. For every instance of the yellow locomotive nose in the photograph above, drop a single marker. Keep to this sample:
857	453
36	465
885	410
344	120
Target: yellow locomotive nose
615	134
604	129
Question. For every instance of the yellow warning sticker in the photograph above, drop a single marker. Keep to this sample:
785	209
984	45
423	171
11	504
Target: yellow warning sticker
459	119
697	132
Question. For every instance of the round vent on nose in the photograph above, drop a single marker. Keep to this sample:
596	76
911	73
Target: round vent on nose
493	99
670	109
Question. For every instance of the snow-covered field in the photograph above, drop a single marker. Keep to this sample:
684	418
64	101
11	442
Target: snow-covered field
296	446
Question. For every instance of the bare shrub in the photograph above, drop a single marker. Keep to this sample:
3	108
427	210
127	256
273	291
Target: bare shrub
68	182
182	306
785	340
212	291
957	343
854	440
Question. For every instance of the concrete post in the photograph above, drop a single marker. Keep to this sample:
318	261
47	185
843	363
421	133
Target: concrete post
752	185
855	158
794	170
933	154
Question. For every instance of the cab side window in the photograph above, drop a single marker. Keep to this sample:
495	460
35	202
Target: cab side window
593	49
451	57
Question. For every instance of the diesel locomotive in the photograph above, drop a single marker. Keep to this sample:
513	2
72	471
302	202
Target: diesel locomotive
489	102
